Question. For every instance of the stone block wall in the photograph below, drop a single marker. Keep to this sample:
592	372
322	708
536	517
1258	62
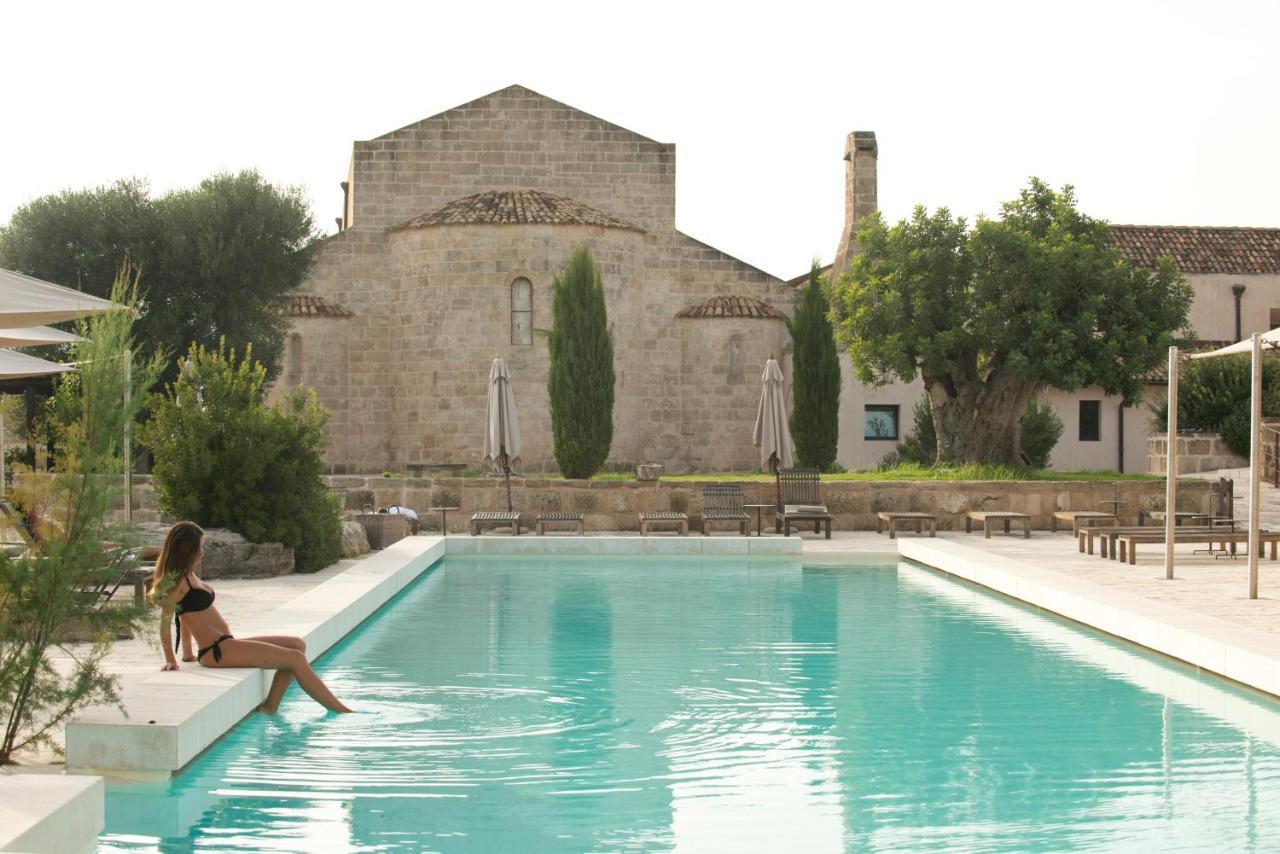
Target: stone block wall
1197	452
614	505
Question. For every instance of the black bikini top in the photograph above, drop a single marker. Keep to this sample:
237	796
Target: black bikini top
196	599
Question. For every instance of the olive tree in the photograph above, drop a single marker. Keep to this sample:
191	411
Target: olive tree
988	316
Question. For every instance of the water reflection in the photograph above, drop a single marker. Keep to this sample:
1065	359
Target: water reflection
722	705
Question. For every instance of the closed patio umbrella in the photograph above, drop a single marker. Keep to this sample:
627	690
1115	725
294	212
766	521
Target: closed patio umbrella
26	301
502	426
771	434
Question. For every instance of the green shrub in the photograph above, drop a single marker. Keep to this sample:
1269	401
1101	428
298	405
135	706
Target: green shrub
224	459
1041	430
815	389
920	447
1215	395
580	378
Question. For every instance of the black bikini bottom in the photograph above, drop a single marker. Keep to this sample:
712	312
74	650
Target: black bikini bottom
216	646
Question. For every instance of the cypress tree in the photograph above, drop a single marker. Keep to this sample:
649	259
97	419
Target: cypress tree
580	386
815	407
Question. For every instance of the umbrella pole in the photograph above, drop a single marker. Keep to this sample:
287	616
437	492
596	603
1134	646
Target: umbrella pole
506	473
777	481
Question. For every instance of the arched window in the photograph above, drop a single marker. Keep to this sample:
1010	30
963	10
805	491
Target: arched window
295	357
522	311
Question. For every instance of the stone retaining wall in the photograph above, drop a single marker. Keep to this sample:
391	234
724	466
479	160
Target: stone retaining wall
613	505
1197	452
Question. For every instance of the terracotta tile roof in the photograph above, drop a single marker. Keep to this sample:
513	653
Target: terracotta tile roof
1195	249
310	305
731	306
516	207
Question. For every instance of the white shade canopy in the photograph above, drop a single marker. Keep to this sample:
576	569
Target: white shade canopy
18	365
1270	341
31	336
771	434
25	301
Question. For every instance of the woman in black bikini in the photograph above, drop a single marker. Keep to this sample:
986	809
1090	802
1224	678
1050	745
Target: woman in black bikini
190	601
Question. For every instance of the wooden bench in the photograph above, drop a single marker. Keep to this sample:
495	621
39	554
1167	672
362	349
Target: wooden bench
565	517
986	517
1128	542
664	517
1078	518
1107	536
802	500
496	519
892	520
722	502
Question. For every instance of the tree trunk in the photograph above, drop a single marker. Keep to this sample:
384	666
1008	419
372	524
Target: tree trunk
978	421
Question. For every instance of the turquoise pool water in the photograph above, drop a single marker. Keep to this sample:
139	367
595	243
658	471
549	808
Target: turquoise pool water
520	704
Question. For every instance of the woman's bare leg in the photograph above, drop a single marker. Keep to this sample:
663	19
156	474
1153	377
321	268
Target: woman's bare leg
246	653
283	678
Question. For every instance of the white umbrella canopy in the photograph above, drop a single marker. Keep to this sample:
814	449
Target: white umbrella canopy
18	365
32	336
502	425
771	434
1269	340
25	301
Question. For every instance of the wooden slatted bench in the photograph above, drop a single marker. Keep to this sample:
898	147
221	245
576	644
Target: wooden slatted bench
1128	542
564	517
496	519
986	517
1080	518
1106	536
664	517
893	520
722	502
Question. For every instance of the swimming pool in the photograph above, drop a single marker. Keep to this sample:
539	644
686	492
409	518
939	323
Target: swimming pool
642	704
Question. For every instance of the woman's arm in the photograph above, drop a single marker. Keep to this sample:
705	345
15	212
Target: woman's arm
166	637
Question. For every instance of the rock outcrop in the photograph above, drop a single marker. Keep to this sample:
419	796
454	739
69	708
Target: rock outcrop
229	555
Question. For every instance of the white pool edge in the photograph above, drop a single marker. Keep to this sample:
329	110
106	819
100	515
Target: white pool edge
50	812
1237	653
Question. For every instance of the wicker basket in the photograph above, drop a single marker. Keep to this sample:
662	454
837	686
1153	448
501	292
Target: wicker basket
383	529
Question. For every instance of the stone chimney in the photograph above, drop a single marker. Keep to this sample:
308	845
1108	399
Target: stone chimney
860	153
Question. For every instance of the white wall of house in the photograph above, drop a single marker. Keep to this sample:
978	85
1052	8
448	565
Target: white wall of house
856	451
1082	448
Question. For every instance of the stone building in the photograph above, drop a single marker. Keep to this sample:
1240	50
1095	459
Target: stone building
453	230
1235	275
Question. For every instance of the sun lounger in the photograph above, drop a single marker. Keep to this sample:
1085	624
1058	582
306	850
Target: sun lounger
1106	536
496	519
664	517
893	520
986	517
1080	518
802	501
561	518
1128	542
723	502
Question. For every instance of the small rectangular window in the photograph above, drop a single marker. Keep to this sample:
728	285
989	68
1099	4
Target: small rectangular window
1090	421
881	422
1275	318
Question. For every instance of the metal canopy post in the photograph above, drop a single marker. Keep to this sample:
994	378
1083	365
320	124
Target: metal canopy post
1171	466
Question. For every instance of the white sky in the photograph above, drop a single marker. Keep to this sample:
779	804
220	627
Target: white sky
1160	112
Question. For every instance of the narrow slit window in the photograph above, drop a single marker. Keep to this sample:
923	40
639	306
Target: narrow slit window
880	422
295	357
522	311
1090	421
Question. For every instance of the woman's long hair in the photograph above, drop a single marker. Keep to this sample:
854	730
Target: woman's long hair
178	557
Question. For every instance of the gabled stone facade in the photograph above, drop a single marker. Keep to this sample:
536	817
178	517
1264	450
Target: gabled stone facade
454	229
